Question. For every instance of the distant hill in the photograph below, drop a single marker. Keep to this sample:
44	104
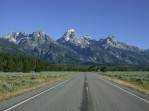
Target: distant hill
72	49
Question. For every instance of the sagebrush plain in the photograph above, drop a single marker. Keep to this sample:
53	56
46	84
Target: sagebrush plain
17	83
138	80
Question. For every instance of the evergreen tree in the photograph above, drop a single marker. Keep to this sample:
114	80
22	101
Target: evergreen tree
9	67
38	67
104	69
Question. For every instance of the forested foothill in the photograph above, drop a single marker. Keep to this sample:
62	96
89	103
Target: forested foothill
28	63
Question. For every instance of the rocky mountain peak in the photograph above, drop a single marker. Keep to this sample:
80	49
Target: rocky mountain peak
111	41
31	41
87	39
15	36
70	35
70	30
83	49
71	38
111	38
39	35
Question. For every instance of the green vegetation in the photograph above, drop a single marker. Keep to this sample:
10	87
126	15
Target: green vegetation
27	63
13	84
7	46
20	63
103	69
137	79
116	67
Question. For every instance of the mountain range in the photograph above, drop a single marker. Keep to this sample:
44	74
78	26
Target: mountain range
72	49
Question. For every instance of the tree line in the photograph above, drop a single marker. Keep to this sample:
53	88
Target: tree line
27	63
20	63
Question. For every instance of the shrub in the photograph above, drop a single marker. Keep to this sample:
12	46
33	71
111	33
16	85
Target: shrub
27	82
8	87
140	81
104	69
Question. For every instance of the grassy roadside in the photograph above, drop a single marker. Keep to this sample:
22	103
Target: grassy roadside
136	80
15	84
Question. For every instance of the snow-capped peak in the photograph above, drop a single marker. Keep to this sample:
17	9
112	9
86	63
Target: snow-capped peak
67	38
10	38
70	35
86	37
71	30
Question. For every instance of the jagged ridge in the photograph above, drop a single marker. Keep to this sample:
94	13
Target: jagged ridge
72	49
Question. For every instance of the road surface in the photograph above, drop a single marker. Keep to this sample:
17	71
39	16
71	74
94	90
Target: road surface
82	92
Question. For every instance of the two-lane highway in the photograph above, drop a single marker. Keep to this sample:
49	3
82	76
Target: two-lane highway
83	92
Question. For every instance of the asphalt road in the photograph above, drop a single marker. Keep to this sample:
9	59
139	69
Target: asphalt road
83	92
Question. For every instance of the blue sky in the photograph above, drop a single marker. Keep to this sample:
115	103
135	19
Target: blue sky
128	20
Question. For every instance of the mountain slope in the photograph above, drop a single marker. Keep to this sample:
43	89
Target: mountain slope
80	45
9	47
72	49
126	53
41	45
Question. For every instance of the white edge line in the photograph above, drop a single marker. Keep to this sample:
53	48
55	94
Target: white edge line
35	96
125	90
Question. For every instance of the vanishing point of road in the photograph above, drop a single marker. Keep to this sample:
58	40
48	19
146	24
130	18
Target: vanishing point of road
82	92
